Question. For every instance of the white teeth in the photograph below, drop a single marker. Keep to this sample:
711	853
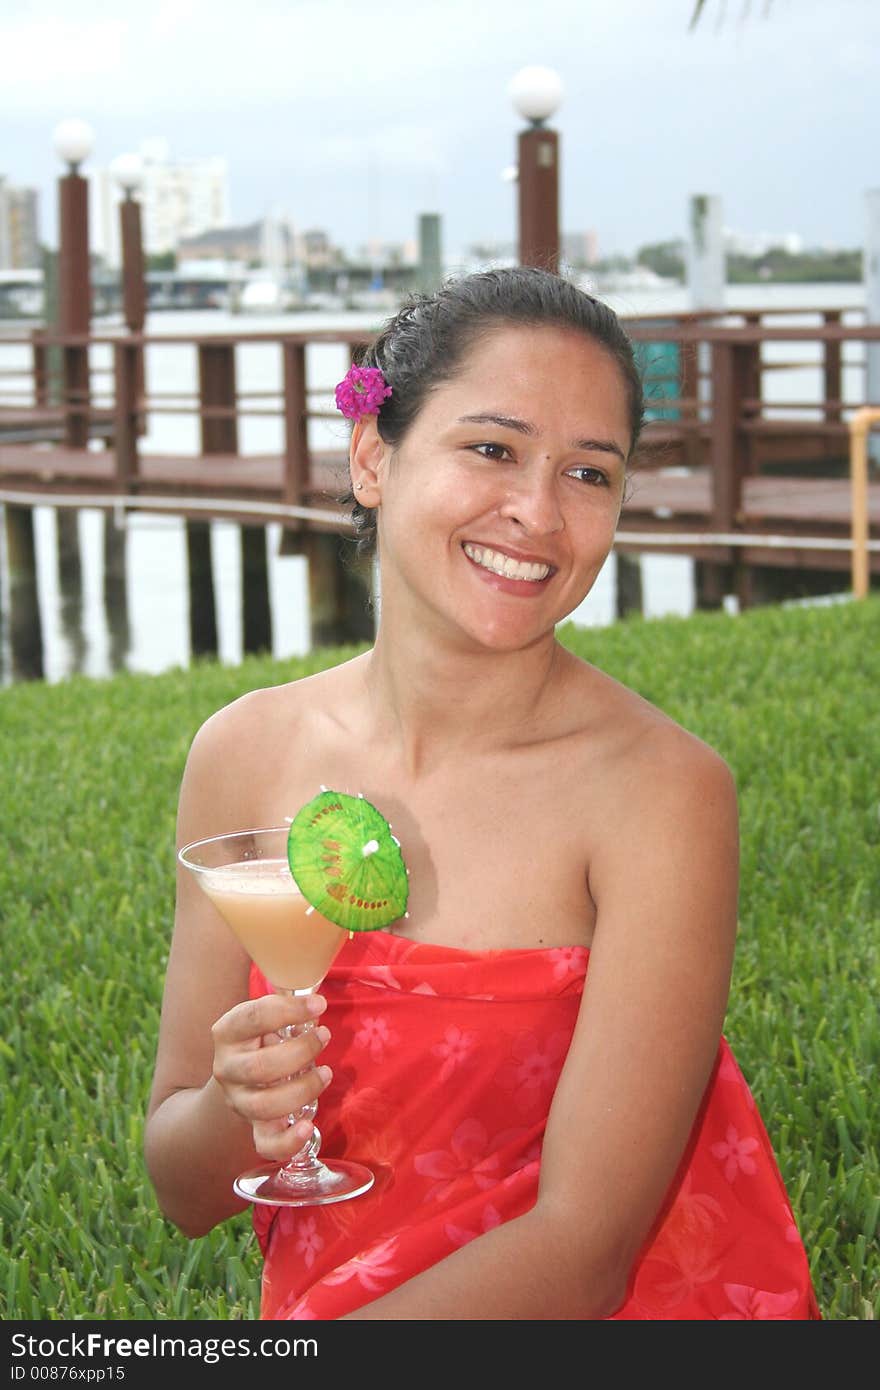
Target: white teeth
504	565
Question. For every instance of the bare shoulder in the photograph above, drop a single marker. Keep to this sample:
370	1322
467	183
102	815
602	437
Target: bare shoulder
661	803
261	715
642	755
243	743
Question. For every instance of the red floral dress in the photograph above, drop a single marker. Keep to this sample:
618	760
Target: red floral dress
445	1062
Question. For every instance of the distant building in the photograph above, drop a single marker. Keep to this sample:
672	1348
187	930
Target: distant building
316	251
179	200
19	234
256	243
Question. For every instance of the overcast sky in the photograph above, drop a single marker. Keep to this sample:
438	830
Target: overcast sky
356	117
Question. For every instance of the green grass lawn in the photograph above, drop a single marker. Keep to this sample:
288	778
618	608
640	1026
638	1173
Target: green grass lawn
90	775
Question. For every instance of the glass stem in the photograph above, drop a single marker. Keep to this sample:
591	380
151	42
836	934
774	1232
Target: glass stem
305	1160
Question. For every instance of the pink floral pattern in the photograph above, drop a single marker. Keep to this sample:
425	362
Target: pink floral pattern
759	1303
375	1035
469	1157
489	1219
736	1154
456	1047
371	1270
532	1067
445	1063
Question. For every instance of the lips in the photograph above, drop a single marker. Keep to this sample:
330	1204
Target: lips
506	566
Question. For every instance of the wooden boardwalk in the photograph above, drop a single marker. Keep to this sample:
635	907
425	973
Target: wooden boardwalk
718	476
667	509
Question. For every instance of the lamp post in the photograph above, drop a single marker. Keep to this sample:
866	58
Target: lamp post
73	140
127	170
536	94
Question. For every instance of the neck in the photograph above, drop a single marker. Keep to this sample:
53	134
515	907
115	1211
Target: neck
429	698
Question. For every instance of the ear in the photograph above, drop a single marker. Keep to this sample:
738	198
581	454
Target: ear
366	459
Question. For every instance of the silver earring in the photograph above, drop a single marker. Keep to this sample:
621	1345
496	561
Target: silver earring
358	486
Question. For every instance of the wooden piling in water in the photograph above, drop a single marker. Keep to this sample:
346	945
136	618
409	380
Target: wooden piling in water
116	591
628	596
340	590
25	625
256	616
200	576
70	584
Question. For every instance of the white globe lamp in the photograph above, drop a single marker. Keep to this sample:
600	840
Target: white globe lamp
536	93
128	172
74	141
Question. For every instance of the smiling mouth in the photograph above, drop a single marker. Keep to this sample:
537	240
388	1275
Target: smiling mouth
504	565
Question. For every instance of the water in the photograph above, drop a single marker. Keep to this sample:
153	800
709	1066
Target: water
141	622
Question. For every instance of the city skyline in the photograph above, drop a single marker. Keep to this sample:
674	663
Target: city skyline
359	121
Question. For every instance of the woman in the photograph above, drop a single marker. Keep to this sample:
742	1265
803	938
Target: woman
532	1060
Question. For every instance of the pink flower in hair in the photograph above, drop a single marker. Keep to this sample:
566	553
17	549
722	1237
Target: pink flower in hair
361	392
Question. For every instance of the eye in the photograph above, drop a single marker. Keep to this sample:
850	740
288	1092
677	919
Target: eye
594	476
493	452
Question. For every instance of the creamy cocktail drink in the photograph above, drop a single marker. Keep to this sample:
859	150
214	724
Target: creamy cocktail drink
247	876
272	886
290	942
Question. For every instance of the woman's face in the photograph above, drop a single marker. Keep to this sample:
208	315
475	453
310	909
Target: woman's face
499	508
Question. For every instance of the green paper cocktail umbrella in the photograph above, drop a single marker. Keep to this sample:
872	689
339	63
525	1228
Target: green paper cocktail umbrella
347	863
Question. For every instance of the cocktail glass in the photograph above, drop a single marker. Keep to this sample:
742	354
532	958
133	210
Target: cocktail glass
247	877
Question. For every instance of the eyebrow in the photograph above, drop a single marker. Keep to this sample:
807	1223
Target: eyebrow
510	422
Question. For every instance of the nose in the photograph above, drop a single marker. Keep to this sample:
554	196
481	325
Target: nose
532	501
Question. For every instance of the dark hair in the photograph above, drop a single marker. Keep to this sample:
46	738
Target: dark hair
426	340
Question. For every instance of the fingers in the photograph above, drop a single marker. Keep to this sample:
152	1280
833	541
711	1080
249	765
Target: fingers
264	1068
277	1138
267	1077
248	1022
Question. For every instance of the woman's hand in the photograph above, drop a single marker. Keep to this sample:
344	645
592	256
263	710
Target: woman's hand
265	1077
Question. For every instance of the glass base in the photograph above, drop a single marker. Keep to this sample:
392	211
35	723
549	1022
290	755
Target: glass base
279	1187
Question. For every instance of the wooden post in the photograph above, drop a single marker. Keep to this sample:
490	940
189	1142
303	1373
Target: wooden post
629	597
725	418
859	428
40	368
49	262
731	368
70	585
74	304
219	435
538	179
340	587
217	393
116	590
296	444
871	277
256	616
749	386
134	287
339	584
202	608
706	275
833	380
25	624
125	375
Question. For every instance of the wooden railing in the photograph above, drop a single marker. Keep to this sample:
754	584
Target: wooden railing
711	409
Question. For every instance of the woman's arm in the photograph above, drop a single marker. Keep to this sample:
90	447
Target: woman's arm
665	884
219	1089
